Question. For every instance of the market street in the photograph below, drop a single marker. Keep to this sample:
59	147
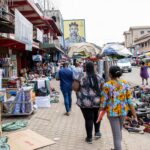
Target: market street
134	76
69	132
56	57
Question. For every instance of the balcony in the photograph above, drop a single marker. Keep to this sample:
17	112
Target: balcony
49	43
6	21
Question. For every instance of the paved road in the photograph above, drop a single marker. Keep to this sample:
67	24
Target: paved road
51	123
134	76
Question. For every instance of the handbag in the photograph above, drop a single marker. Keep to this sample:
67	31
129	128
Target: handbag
76	85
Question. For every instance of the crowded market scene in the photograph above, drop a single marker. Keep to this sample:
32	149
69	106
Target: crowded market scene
64	86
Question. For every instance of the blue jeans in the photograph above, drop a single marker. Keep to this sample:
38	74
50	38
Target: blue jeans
67	99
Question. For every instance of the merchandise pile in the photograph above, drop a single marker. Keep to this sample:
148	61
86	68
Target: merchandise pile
21	104
141	101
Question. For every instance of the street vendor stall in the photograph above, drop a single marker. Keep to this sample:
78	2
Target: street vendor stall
19	104
141	101
42	92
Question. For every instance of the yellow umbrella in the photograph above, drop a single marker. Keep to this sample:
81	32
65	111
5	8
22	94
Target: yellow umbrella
147	54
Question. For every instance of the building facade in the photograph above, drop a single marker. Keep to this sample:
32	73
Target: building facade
133	37
11	45
135	33
143	43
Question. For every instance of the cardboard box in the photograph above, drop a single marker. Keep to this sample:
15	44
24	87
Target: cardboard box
27	140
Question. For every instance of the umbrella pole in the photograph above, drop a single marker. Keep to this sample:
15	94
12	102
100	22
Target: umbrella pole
106	70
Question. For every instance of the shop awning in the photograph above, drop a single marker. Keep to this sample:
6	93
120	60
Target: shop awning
11	43
34	15
15	44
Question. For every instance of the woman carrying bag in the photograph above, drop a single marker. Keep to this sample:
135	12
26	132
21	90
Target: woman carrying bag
116	101
88	100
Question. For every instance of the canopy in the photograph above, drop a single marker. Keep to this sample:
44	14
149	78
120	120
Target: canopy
84	50
115	50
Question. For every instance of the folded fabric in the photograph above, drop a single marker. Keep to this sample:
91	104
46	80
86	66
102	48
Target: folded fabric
14	125
3	143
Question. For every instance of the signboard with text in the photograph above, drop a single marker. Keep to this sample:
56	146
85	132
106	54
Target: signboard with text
23	30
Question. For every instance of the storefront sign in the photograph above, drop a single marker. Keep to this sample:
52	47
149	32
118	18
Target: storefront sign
39	36
23	30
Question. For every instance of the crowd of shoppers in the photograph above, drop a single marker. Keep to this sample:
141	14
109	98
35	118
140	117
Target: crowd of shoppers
96	95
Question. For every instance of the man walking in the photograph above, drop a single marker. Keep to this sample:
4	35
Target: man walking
77	71
66	79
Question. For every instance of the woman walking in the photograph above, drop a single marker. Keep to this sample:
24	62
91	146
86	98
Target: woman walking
144	73
88	100
116	100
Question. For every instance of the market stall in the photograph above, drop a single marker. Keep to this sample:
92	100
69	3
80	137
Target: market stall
141	101
19	103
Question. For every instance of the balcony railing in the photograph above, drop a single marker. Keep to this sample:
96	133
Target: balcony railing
49	43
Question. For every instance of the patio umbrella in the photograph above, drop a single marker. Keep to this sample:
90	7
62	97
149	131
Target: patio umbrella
147	54
115	50
84	50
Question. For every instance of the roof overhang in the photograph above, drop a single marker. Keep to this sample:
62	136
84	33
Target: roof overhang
11	43
34	15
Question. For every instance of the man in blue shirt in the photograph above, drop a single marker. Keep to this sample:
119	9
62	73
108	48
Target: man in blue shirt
66	79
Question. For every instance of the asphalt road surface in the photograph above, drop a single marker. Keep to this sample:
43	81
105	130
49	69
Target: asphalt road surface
134	76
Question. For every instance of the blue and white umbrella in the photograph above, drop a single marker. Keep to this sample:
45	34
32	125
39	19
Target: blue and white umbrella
115	49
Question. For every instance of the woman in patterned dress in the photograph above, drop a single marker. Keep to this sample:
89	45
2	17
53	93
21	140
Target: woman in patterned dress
88	99
116	100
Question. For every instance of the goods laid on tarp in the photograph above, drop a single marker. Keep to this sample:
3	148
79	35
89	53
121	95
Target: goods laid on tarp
54	96
21	104
141	101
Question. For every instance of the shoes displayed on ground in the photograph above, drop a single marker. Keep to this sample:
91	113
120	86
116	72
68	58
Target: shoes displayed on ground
67	114
98	135
88	140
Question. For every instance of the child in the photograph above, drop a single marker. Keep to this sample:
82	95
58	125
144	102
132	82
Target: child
144	73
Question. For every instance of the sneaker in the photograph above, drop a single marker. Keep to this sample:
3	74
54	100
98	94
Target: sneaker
88	140
98	135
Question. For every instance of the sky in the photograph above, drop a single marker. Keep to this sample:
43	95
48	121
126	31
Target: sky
105	20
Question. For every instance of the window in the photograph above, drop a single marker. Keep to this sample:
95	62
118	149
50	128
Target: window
148	31
142	32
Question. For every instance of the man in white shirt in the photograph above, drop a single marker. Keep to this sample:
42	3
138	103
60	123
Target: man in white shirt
77	71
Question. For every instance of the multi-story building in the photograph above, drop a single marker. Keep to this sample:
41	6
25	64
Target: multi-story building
128	39
132	36
58	19
28	15
143	43
135	33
